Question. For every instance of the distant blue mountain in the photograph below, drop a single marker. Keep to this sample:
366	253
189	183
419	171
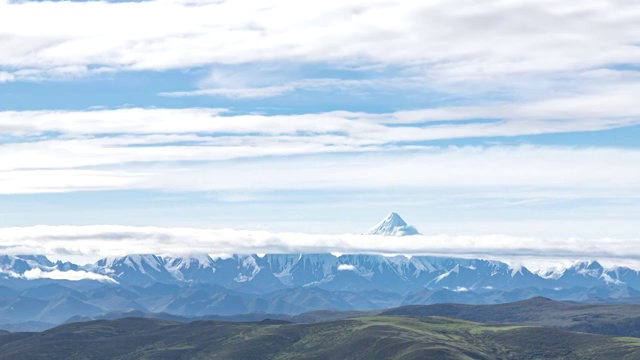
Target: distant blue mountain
200	285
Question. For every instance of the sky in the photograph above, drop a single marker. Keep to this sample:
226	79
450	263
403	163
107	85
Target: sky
476	121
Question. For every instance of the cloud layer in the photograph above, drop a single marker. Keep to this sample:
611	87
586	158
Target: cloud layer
191	149
93	242
455	39
559	172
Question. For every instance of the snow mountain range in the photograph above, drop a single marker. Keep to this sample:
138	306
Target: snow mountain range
38	292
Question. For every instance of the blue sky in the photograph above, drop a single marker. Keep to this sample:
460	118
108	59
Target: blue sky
519	118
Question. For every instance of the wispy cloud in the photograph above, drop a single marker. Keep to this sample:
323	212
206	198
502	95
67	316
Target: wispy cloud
189	149
326	84
236	93
71	139
604	107
534	171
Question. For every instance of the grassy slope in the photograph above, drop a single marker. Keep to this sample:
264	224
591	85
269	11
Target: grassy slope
379	337
619	320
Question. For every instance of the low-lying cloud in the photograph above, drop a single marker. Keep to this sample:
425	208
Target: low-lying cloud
93	242
71	275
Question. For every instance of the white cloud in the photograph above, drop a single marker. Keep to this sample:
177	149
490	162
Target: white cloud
591	109
326	84
130	136
236	93
93	242
458	39
591	105
189	149
346	267
523	171
6	77
71	275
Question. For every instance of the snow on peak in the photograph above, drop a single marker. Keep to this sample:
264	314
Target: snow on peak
138	262
587	268
393	225
194	260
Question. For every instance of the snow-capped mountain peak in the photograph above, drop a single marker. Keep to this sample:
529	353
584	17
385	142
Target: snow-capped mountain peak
393	225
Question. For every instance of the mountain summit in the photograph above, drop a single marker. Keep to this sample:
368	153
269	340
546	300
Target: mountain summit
393	225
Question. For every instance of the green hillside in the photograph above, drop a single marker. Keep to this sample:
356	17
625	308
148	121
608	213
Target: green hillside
616	320
378	337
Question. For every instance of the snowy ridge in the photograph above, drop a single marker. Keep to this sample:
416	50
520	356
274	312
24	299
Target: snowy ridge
252	273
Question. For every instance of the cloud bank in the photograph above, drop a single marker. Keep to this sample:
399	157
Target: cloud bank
93	242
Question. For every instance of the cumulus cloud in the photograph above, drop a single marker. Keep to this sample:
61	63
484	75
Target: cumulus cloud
71	275
93	242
